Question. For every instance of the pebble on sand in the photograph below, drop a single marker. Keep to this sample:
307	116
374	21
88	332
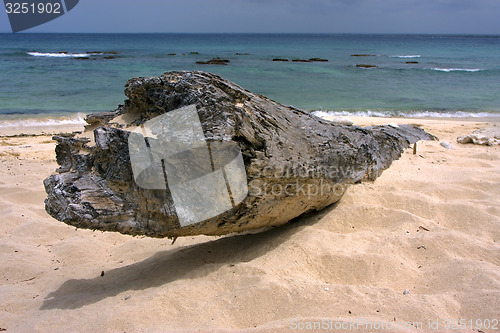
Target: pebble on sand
447	145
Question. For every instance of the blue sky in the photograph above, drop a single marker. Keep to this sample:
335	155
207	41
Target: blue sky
303	16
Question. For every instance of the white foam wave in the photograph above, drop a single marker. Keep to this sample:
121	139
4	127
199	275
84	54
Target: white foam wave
407	114
77	119
447	70
406	56
61	54
367	113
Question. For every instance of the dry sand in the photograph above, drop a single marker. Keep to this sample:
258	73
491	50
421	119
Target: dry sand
429	225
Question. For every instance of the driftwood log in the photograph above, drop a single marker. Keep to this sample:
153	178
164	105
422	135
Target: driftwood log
145	172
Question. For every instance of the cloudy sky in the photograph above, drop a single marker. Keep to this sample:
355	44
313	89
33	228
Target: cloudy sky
303	16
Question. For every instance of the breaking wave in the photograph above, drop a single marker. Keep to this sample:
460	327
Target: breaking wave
447	70
407	114
76	119
406	56
62	54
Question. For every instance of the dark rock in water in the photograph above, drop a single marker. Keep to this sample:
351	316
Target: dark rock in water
214	61
318	60
238	53
191	153
310	60
280	59
363	55
103	52
366	66
412	62
193	53
171	54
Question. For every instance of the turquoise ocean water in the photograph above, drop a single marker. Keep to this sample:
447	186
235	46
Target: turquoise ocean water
449	75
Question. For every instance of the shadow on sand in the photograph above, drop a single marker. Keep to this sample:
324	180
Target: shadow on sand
166	266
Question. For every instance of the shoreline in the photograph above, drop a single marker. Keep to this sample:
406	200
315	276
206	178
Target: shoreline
47	125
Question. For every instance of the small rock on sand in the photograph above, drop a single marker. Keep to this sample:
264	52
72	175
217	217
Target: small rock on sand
343	121
447	145
486	136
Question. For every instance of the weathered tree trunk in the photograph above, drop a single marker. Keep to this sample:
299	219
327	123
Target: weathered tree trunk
281	161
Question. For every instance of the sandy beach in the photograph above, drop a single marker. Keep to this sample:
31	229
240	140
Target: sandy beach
414	251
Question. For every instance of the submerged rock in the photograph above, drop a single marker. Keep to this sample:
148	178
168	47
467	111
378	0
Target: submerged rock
191	153
318	60
214	61
309	60
366	66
